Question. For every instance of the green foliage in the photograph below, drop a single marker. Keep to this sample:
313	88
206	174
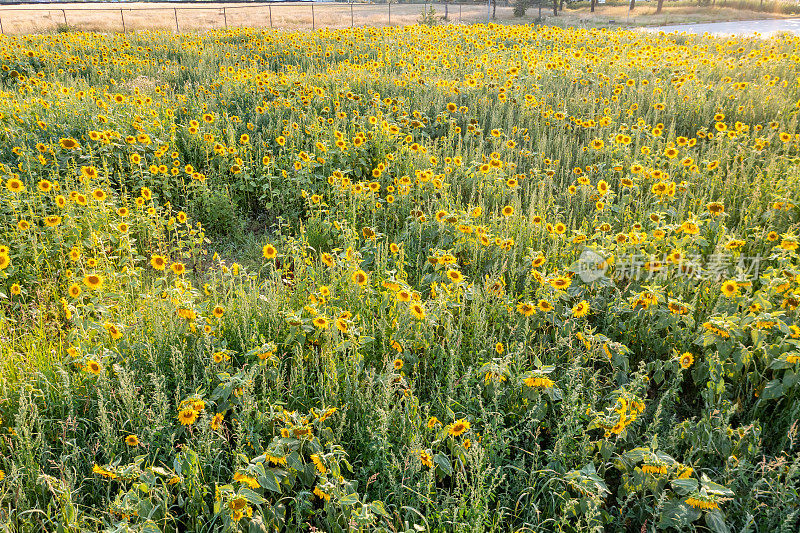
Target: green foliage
429	16
418	312
215	210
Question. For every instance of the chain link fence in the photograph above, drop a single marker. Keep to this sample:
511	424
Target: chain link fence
109	17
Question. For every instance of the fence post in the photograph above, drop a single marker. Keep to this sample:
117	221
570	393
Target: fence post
459	12
1	27
270	15
390	12
122	16
65	17
177	30
351	14
225	16
313	22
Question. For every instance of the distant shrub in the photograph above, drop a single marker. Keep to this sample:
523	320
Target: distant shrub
215	210
520	6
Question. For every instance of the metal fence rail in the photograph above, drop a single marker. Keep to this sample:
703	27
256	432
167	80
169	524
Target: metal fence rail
288	15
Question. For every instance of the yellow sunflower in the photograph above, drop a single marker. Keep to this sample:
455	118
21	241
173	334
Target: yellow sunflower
93	281
269	251
458	428
581	309
187	416
360	278
729	288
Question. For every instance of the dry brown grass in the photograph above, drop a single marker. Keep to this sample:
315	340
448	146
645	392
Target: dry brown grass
141	16
148	16
645	15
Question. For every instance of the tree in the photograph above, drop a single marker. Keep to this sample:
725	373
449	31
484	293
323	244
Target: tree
591	6
660	5
555	8
633	4
520	6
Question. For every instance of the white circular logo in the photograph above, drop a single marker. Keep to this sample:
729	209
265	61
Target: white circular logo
591	266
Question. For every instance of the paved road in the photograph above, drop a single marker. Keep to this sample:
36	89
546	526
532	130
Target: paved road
744	27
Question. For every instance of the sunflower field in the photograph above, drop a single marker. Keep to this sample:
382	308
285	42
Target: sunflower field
461	278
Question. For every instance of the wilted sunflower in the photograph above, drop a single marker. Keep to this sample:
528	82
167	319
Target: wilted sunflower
113	330
540	382
327	259
250	481
715	208
426	459
99	470
690	228
88	172
703	503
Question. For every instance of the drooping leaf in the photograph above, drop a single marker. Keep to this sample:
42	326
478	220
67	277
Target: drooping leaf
715	521
443	462
684	486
